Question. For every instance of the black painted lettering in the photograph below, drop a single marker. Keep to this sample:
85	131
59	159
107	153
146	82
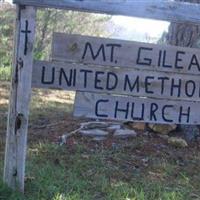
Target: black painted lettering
186	114
122	110
159	58
199	89
26	32
101	51
163	79
178	59
112	51
153	109
143	61
74	78
97	109
190	88
48	82
194	62
165	113
85	74
148	84
128	86
97	80
139	118
164	60
112	81
68	79
175	86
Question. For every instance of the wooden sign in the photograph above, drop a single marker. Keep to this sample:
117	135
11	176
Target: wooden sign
118	67
121	53
123	108
154	9
127	81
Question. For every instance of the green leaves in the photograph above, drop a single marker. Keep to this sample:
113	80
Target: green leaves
6	35
51	20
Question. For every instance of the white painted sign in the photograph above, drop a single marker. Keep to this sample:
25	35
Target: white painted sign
126	81
124	108
121	53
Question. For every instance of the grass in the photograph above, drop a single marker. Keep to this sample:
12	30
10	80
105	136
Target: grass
54	172
5	73
48	104
87	170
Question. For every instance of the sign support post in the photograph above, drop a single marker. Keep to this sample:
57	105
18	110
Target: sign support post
17	127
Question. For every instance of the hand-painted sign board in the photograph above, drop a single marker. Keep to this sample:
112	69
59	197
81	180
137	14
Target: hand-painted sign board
122	53
102	106
115	80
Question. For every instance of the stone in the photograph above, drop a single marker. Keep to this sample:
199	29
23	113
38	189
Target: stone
114	127
146	133
190	132
98	138
177	142
162	128
141	126
145	161
124	133
95	125
93	133
165	137
63	139
198	140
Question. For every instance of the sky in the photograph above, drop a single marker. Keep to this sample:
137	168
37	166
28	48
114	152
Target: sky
133	28
10	1
138	29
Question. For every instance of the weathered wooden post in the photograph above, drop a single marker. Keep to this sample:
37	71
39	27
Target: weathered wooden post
16	140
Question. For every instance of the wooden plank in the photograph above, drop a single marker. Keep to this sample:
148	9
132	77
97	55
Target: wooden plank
16	139
69	76
121	53
123	108
154	9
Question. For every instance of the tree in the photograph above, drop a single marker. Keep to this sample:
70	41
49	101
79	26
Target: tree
7	14
48	21
185	35
51	20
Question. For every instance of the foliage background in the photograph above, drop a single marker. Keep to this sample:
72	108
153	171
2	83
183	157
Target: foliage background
48	21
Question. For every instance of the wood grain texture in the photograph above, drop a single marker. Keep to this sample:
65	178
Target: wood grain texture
16	139
121	53
123	108
153	9
69	76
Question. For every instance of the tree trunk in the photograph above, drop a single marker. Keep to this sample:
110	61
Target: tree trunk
185	35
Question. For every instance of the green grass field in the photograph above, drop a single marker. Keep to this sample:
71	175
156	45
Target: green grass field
142	168
59	173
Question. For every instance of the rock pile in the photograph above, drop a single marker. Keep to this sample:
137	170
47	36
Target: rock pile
100	131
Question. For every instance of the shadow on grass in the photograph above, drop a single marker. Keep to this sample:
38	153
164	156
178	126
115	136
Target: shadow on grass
46	107
51	104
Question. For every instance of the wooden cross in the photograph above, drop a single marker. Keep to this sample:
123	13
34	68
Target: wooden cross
16	139
26	32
